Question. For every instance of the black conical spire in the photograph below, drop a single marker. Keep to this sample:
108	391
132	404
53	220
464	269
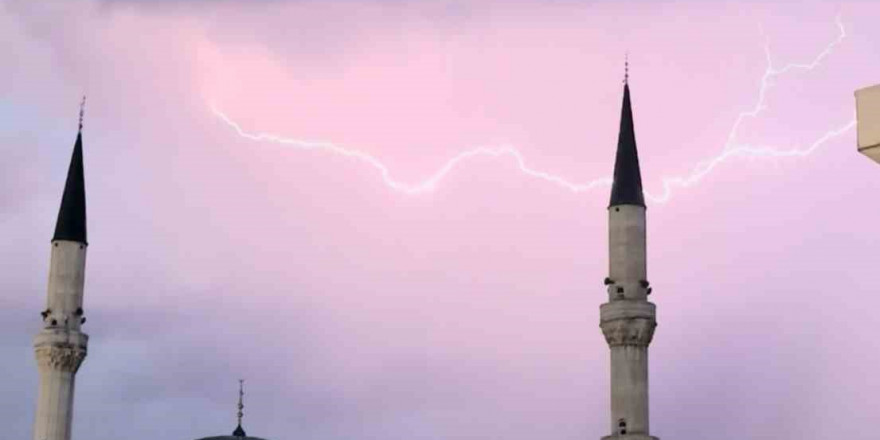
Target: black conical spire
627	186
71	224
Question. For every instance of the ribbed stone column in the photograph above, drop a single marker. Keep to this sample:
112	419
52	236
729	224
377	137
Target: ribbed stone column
628	327
59	354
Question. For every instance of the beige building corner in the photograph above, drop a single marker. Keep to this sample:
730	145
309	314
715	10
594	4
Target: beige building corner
868	121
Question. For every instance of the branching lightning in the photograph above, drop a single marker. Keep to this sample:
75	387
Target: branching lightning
731	148
771	73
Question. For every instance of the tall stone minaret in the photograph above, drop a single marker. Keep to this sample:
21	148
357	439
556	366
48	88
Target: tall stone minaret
628	319
60	346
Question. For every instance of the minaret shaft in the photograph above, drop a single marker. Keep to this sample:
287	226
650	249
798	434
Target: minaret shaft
56	397
60	347
627	251
629	388
67	269
628	322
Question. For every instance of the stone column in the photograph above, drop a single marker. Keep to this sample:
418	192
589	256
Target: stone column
61	346
59	354
628	327
628	320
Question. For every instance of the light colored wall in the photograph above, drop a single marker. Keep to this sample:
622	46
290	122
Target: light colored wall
868	121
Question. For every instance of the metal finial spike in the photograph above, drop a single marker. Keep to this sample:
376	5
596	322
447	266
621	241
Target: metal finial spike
82	110
240	400
239	431
626	68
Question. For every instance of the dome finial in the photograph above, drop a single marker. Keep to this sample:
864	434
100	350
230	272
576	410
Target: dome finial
239	431
240	400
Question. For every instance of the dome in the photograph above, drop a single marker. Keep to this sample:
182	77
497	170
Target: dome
230	437
238	434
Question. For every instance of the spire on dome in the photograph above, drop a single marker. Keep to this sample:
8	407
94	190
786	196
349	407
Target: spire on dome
239	431
627	186
71	224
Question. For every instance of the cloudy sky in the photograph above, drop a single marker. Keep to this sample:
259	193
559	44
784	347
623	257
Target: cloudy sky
356	311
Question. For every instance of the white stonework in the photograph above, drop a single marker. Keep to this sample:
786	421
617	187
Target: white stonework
60	347
627	264
628	321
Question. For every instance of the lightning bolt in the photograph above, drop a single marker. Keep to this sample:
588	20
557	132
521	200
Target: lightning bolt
731	149
771	73
426	185
698	172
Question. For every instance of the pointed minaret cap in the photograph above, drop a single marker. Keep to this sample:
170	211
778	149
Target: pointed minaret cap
627	186
239	431
71	224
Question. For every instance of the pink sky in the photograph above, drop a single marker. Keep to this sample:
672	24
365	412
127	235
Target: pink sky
355	311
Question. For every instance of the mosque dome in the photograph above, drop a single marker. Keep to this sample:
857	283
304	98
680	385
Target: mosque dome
238	434
230	437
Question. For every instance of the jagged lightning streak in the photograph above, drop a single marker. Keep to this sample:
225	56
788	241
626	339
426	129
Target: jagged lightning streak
731	149
426	185
771	73
697	173
705	167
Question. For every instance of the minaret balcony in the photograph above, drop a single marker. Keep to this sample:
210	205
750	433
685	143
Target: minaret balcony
628	323
868	121
60	349
61	337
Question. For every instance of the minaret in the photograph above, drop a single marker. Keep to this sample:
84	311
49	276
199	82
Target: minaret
60	346
627	319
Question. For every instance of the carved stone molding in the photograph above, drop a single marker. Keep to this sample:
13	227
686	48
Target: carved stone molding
629	331
66	357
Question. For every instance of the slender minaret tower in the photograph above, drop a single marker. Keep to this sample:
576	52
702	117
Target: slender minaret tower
60	346
627	319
